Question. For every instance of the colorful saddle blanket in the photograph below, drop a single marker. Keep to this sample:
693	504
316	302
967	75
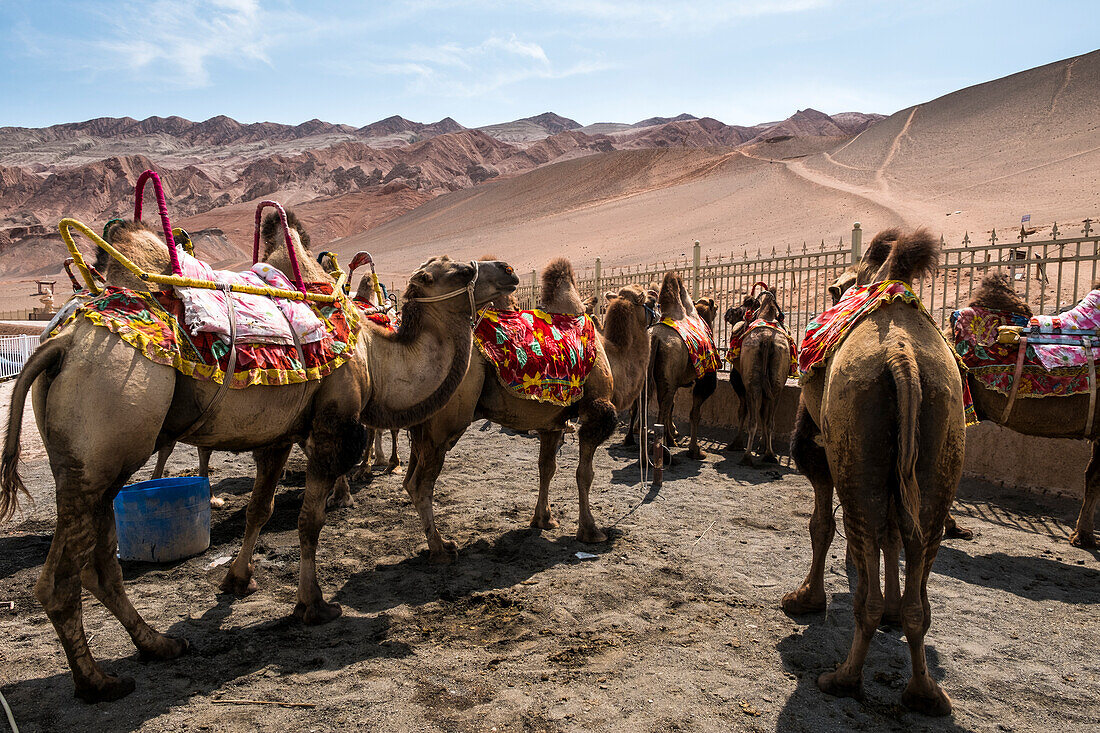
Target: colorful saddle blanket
153	324
700	343
375	314
994	364
1085	316
537	355
733	354
827	332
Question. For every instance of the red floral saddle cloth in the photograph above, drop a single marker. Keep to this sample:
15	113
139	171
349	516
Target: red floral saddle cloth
700	343
537	355
733	353
153	324
827	332
993	364
375	314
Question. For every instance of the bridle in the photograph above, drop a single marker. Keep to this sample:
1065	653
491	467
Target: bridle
652	317
468	289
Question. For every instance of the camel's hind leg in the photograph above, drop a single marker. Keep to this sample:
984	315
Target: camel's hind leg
702	389
103	578
216	502
269	468
395	460
1083	535
868	605
753	407
811	460
425	464
767	422
162	460
549	440
666	398
922	694
58	590
597	425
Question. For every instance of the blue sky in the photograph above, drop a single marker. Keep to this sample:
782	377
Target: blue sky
484	61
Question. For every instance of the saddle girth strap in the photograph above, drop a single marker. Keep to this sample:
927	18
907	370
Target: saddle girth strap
1015	379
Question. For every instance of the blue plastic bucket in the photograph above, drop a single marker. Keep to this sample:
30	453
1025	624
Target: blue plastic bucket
163	520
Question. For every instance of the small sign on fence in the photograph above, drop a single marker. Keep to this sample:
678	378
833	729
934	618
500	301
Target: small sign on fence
1025	218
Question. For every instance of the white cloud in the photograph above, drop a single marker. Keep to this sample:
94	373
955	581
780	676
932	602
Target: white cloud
175	42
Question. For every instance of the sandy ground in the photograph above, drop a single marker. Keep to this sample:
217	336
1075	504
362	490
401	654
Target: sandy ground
674	626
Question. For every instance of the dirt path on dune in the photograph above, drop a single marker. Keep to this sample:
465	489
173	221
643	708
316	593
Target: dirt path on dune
675	625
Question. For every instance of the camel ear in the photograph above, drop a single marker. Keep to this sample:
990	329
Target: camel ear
834	293
423	277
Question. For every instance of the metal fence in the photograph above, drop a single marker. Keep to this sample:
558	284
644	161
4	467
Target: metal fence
1052	274
14	352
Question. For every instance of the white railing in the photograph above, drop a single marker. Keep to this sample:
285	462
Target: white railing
14	352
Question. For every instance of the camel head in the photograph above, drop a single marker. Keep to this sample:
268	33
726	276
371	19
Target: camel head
864	272
769	307
442	276
507	301
707	310
629	304
996	293
558	293
735	315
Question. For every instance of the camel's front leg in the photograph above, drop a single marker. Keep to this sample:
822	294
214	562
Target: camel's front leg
693	446
811	460
395	460
269	468
666	398
549	440
162	460
312	608
1083	535
216	502
597	425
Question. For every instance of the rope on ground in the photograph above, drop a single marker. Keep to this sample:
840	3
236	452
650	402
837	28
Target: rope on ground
7	711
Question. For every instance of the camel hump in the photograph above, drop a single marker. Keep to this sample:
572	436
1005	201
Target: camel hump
669	298
272	230
996	293
556	277
912	255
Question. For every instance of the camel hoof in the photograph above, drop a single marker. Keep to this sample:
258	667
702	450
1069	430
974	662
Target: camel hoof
832	683
1083	539
547	522
697	454
590	535
769	458
394	469
734	445
934	703
362	476
797	603
748	460
628	439
317	613
340	502
216	502
113	688
168	647
956	532
442	557
239	587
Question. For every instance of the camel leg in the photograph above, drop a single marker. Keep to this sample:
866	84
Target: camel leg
1083	535
952	529
597	425
768	428
395	460
269	468
162	460
666	396
311	607
628	439
103	578
549	440
425	464
738	442
922	694
811	460
216	502
341	497
700	391
868	606
58	590
891	552
753	407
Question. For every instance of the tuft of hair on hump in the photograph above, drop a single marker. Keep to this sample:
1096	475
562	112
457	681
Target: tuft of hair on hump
272	227
488	258
669	297
913	255
116	232
557	276
880	246
995	292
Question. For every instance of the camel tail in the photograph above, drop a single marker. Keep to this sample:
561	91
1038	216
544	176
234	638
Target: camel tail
11	485
902	362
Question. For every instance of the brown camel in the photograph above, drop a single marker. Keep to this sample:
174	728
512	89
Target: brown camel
481	395
883	422
1047	417
764	365
626	342
93	453
670	361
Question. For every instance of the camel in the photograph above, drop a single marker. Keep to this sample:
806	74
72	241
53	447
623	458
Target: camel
670	362
626	342
883	422
93	453
736	317
481	395
764	365
1048	417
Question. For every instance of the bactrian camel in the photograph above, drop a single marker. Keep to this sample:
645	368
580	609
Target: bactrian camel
883	422
481	395
92	452
764	365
